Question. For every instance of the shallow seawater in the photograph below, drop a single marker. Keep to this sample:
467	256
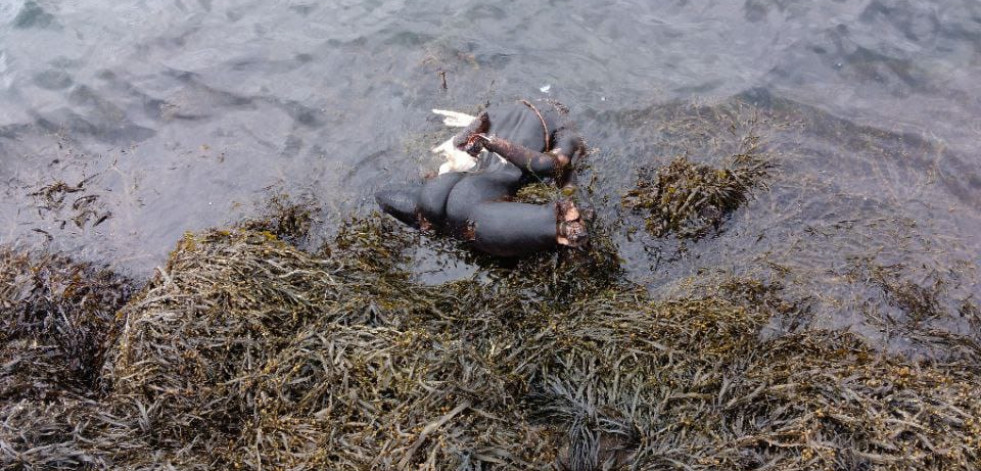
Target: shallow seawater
125	125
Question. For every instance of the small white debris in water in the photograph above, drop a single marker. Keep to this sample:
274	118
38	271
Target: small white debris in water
546	88
602	98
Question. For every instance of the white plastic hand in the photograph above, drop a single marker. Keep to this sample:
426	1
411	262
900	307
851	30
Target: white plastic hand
455	119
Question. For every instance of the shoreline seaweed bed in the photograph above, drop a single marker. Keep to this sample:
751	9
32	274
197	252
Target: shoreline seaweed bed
245	353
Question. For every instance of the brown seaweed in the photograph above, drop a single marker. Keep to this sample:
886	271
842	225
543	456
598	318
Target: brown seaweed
245	352
691	200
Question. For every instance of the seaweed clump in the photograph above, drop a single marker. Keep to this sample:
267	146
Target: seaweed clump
691	200
284	219
56	326
244	352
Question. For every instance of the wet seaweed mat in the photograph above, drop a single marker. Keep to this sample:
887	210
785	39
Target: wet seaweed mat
245	352
57	325
690	200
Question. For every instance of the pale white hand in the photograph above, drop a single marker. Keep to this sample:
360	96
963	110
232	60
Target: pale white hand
455	119
456	160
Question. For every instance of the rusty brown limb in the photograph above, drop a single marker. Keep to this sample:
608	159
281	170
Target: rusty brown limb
537	163
466	139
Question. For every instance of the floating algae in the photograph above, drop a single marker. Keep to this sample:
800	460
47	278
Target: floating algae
244	352
690	200
539	193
